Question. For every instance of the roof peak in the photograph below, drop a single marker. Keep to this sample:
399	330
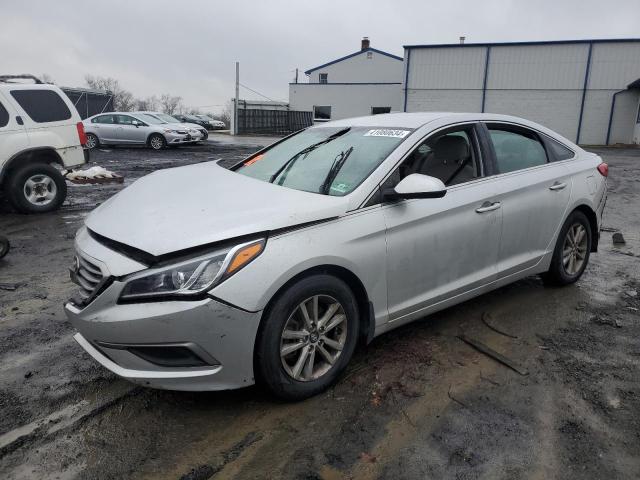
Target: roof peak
364	50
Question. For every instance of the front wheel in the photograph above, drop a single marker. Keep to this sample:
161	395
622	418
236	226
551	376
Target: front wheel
157	141
307	337
36	188
572	250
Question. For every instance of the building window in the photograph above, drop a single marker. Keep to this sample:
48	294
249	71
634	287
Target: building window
378	110
324	77
321	113
369	54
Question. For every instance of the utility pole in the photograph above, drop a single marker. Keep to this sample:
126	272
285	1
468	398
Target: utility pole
296	75
235	102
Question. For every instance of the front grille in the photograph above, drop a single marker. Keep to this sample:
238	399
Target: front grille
88	277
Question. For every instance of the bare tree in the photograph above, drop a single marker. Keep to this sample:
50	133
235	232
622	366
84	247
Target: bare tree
170	104
149	104
225	115
122	99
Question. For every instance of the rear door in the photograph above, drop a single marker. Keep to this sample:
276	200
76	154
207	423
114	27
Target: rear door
442	247
534	191
106	128
13	137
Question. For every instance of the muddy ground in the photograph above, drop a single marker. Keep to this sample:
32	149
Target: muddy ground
416	403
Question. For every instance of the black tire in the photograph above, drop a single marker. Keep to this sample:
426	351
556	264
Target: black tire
157	141
4	246
269	368
557	273
92	141
47	176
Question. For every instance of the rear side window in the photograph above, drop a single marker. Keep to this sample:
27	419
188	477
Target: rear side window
4	116
42	105
103	119
560	152
516	150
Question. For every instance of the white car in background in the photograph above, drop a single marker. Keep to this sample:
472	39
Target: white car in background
165	117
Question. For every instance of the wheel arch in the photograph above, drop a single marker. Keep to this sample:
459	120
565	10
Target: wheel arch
31	155
148	142
593	223
365	306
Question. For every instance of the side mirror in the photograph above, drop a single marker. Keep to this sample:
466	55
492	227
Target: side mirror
135	123
416	185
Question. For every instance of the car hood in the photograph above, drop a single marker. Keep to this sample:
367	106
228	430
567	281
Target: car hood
179	208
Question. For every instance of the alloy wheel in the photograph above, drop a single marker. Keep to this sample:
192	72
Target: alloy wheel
156	142
92	141
313	338
574	250
40	189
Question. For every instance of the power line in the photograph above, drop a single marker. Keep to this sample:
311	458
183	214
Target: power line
258	93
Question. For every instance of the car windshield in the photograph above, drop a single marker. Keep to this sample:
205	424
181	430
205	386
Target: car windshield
327	160
166	118
150	119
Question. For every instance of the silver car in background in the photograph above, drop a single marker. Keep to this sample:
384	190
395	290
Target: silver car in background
274	270
133	128
193	128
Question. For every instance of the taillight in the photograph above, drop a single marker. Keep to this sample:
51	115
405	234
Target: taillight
81	135
603	168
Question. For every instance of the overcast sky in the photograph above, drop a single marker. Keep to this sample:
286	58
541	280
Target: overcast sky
188	48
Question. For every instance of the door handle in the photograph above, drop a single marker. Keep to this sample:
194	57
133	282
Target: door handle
488	207
557	186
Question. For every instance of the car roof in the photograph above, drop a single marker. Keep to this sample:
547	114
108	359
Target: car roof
418	119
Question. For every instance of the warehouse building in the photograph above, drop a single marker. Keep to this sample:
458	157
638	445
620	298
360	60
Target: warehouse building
587	90
366	82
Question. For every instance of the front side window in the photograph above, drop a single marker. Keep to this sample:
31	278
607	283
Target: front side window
449	156
324	78
322	113
516	149
330	161
4	116
125	120
42	105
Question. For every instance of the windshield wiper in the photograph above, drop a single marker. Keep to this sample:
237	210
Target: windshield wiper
338	163
289	163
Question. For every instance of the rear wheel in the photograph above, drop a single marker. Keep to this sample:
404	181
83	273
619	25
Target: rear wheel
4	246
36	188
157	141
92	141
571	254
307	337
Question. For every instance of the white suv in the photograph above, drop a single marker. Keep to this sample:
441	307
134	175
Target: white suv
40	134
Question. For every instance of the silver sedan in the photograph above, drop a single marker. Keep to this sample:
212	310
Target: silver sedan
135	128
275	270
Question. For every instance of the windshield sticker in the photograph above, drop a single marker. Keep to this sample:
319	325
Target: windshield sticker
341	187
386	132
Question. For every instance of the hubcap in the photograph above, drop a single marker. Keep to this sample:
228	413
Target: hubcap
40	190
313	338
91	141
156	142
574	250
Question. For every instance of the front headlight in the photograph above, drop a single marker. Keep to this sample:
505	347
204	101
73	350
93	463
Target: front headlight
192	277
167	130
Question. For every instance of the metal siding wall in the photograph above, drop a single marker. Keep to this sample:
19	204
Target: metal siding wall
444	100
614	65
447	68
346	100
532	67
555	109
595	118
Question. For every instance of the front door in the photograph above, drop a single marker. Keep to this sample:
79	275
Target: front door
443	247
129	131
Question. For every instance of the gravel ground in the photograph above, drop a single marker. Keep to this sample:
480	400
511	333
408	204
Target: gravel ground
416	403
